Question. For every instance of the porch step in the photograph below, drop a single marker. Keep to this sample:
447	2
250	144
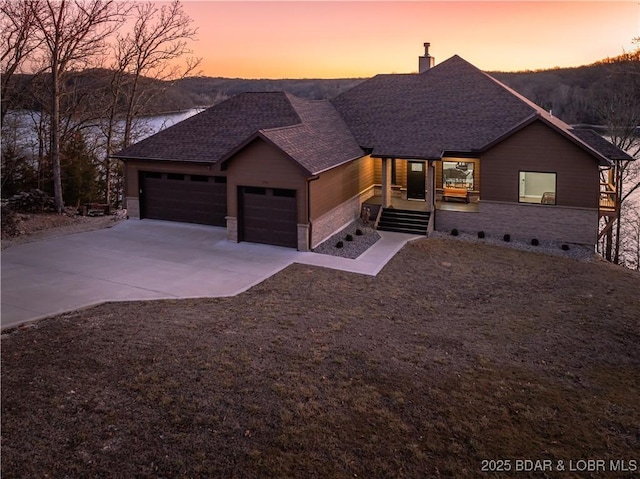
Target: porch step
404	221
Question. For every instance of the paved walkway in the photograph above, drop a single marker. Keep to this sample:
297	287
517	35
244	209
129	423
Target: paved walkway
141	260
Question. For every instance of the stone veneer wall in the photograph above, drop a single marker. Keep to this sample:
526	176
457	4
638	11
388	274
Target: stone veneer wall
523	221
133	207
303	237
232	229
339	217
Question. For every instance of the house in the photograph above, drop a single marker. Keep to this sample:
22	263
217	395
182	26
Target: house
448	147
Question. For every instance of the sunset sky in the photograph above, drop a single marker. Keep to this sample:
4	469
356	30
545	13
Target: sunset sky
333	39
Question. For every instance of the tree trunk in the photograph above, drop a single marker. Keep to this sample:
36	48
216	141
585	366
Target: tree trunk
608	244
128	122
55	140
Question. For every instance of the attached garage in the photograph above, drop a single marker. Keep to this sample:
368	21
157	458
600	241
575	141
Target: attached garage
183	197
268	215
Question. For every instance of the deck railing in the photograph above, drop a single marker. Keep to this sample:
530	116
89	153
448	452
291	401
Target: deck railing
607	197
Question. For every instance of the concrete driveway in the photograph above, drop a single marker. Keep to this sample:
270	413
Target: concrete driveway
142	260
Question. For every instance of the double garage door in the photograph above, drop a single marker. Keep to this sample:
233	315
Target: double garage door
268	215
186	198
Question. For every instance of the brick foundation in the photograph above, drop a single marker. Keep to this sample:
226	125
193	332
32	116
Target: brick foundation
232	229
303	237
338	218
133	207
522	221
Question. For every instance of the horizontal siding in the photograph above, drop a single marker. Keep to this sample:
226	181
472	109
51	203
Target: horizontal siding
377	170
340	184
260	164
539	148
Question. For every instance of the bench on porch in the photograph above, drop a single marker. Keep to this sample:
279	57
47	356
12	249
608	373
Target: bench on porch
449	192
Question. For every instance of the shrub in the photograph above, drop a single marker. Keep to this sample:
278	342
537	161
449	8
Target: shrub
507	237
359	232
339	244
9	222
480	234
349	238
33	201
535	242
565	247
454	232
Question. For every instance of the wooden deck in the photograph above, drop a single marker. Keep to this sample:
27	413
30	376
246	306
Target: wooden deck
607	200
417	205
400	204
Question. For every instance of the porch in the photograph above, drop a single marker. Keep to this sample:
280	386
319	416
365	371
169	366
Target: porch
416	205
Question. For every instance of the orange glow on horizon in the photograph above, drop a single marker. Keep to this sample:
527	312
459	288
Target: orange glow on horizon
360	39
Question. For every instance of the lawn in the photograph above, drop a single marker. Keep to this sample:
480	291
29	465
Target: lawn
455	355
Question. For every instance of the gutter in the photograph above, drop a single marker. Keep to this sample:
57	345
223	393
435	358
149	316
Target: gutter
164	160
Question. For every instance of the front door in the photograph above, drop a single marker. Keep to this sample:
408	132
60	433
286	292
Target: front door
416	181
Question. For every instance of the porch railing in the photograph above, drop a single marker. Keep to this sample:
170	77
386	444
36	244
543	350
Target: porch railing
607	197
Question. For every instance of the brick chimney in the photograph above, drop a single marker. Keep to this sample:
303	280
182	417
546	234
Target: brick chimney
427	61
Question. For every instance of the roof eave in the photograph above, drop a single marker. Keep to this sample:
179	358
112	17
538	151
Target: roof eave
147	158
404	157
339	164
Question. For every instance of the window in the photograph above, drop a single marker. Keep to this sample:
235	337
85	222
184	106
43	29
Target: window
175	176
539	188
203	179
255	190
457	174
284	193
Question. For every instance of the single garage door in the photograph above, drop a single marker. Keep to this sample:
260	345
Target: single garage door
269	215
186	198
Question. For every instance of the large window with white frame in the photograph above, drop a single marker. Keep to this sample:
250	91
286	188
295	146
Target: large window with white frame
537	187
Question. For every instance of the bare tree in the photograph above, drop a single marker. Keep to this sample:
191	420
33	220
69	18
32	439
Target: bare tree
618	108
630	244
17	25
145	63
148	55
73	33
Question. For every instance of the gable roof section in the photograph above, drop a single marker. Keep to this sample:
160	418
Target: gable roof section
589	140
452	106
210	135
311	133
322	141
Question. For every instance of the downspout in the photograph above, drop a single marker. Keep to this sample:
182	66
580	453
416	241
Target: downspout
313	178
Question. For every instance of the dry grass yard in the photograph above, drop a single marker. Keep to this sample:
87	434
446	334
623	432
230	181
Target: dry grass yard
455	354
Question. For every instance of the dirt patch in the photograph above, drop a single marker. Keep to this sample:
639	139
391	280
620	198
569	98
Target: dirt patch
455	354
28	227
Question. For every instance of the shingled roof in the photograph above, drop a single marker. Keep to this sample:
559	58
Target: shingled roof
320	142
601	145
210	135
451	108
310	132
